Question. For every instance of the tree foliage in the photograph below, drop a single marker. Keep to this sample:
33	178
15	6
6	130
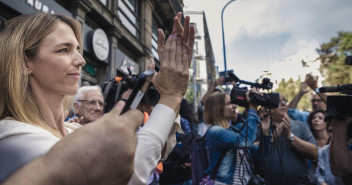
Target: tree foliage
290	89
332	56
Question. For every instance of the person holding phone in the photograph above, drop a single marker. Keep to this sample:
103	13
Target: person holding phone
40	67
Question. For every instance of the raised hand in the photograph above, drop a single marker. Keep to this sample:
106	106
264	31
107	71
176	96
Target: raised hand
304	88
172	79
311	81
186	33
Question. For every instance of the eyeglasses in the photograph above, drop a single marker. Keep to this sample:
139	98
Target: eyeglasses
284	100
92	102
316	100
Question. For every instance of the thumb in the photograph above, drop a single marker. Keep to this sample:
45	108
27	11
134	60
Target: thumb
118	108
132	118
151	65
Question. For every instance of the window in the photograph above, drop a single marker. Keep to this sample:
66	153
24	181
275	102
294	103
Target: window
129	15
105	2
155	38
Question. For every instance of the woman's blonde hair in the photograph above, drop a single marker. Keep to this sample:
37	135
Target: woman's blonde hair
19	40
214	110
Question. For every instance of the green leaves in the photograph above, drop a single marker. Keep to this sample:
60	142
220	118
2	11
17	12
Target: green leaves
332	57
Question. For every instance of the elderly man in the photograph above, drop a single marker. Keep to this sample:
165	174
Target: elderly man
285	162
88	105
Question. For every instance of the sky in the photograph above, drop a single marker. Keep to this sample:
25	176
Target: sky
272	35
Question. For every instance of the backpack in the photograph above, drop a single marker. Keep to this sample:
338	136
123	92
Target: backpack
199	159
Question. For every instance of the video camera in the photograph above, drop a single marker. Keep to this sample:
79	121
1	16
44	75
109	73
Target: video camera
113	90
339	106
238	94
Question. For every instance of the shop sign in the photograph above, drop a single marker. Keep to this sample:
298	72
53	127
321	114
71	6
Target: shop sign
100	44
34	6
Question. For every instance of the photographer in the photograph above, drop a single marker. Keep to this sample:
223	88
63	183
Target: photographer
340	156
292	144
228	148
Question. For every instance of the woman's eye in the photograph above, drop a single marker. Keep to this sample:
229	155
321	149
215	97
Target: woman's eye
63	50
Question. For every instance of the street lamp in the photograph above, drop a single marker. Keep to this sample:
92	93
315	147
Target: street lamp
223	37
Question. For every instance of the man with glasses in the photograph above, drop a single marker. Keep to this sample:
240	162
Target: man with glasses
318	101
88	105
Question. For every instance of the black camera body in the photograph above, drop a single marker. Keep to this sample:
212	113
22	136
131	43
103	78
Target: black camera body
238	94
338	105
113	90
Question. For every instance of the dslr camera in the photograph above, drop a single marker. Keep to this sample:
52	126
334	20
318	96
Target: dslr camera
267	100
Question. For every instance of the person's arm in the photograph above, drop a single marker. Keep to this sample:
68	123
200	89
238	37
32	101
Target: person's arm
259	154
171	83
101	152
304	148
340	156
211	89
302	91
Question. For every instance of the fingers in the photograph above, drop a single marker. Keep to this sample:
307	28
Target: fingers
186	29
190	44
151	65
173	52
166	53
179	54
185	59
178	15
178	28
126	95
161	39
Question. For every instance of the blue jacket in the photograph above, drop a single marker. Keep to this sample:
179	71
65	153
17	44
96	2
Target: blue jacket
219	139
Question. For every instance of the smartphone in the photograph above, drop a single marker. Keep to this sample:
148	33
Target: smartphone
138	91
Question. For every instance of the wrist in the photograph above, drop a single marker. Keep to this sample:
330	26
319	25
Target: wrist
171	101
291	137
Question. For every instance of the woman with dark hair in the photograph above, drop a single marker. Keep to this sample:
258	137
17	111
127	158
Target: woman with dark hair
319	127
322	132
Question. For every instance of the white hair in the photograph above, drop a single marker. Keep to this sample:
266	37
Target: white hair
83	89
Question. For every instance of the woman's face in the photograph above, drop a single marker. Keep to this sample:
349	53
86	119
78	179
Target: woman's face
57	65
318	122
230	109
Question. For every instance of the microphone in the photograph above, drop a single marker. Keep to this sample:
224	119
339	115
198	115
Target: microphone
328	89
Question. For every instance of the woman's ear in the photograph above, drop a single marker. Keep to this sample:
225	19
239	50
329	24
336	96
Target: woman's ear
28	68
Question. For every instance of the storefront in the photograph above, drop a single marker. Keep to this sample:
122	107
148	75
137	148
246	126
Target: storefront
96	54
12	8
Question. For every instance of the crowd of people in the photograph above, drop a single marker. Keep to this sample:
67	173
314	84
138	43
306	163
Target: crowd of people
60	134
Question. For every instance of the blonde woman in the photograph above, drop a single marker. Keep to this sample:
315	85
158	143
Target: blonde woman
228	148
40	65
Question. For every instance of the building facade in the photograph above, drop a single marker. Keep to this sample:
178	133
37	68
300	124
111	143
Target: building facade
118	34
204	71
